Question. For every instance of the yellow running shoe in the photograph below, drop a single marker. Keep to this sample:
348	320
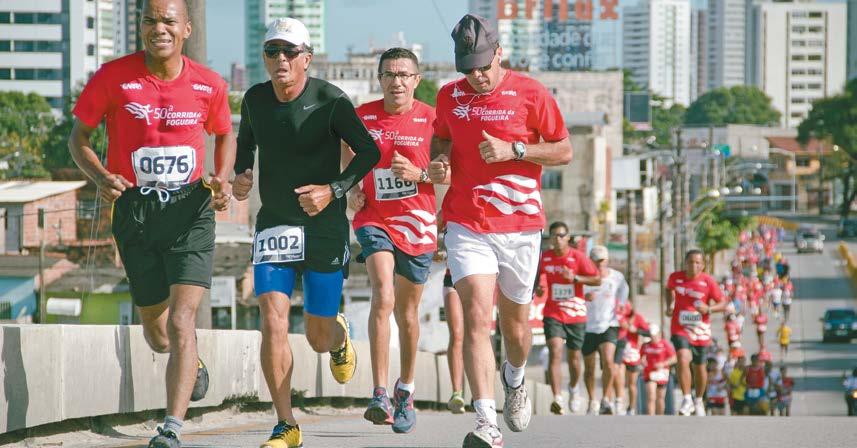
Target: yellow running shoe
285	436
343	362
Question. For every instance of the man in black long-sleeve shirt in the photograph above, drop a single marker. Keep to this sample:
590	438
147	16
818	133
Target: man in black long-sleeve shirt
298	122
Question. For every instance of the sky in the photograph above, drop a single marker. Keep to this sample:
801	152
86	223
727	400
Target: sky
358	23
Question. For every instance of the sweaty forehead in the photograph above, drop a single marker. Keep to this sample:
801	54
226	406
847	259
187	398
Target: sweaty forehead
165	8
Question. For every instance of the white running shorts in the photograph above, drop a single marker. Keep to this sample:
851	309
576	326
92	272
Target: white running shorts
513	256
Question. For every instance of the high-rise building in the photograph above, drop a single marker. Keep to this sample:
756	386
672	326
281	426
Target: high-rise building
127	21
727	41
698	53
656	47
237	77
852	39
259	13
51	46
799	54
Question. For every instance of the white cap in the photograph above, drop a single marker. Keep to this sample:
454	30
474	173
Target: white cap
654	329
288	29
598	253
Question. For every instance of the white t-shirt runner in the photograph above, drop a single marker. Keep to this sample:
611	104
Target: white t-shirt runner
601	310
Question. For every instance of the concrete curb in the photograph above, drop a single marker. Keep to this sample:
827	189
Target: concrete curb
53	373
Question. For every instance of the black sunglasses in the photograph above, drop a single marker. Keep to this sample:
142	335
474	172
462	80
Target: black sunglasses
291	52
482	69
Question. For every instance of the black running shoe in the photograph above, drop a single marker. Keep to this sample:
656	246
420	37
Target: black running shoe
165	439
200	387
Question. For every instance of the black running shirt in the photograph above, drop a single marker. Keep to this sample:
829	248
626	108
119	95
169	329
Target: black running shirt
299	144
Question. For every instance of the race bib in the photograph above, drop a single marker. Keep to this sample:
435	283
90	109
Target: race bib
754	393
689	318
659	376
279	244
166	167
631	355
388	187
762	328
562	292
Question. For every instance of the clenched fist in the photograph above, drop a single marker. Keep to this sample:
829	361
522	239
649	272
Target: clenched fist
439	171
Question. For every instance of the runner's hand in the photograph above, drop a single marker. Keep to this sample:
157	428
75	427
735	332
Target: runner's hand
539	290
439	170
112	186
494	150
242	185
404	169
702	307
221	193
356	200
567	273
314	198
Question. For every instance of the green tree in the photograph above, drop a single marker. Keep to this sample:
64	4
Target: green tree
25	121
735	105
426	91
235	99
55	149
834	120
715	229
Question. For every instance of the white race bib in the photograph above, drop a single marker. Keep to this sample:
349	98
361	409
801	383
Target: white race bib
562	292
659	376
279	244
689	318
388	187
167	167
754	393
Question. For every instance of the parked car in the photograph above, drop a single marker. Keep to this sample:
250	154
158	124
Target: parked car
810	241
839	323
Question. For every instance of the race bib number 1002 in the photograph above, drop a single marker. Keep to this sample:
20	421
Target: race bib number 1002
388	187
167	167
279	244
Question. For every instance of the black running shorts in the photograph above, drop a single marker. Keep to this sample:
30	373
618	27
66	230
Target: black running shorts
164	243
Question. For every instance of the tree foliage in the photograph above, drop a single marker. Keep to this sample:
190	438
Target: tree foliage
25	123
235	99
735	105
834	120
426	91
55	150
716	230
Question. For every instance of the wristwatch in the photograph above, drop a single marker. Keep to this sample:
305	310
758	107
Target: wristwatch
337	190
520	150
424	177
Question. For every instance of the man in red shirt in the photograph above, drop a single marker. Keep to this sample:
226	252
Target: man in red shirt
566	270
396	226
632	328
158	104
692	295
657	356
494	130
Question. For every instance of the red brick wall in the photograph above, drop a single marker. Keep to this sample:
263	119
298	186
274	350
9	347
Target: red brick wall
60	210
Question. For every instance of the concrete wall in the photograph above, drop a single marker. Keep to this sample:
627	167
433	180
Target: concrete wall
53	373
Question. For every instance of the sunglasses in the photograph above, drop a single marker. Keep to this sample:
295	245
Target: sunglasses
559	235
273	51
482	69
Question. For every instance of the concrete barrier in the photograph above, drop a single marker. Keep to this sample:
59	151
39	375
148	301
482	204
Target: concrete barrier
53	373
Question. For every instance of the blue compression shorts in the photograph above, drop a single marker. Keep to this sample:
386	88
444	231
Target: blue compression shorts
322	290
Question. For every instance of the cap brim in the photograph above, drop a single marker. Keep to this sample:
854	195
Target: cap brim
470	61
289	39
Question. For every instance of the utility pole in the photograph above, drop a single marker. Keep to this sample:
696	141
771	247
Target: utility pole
195	47
662	243
820	178
632	218
678	202
43	312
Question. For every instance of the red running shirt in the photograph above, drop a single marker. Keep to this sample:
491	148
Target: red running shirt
498	197
686	321
565	301
733	331
631	355
653	353
405	210
161	121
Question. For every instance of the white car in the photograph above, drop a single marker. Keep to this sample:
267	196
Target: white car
810	242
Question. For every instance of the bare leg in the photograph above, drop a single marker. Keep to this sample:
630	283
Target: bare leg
632	389
607	351
701	376
380	266
184	361
589	374
662	399
454	355
276	352
154	319
575	366
323	333
651	397
408	297
515	327
555	364
683	370
477	297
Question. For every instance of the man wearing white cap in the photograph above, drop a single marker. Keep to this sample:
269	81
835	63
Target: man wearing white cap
602	329
298	124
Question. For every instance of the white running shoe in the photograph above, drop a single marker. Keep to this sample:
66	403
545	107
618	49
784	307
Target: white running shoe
517	409
699	407
593	407
573	402
686	408
487	435
618	408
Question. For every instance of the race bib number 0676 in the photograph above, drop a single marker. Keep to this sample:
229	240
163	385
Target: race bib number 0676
279	244
167	167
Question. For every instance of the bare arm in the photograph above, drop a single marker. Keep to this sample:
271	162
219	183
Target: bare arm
225	147
110	185
670	298
495	150
440	146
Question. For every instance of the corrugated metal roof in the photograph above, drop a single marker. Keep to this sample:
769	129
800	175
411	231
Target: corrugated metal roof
29	191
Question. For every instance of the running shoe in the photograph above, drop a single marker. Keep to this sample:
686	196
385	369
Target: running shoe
606	407
404	416
686	408
593	407
517	408
573	402
631	411
556	408
380	411
285	435
618	407
699	407
456	403
165	439
487	435
343	362
200	387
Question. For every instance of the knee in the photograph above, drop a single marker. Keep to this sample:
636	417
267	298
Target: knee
319	342
274	326
181	326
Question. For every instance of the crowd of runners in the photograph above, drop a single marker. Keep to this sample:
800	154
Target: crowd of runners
487	138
